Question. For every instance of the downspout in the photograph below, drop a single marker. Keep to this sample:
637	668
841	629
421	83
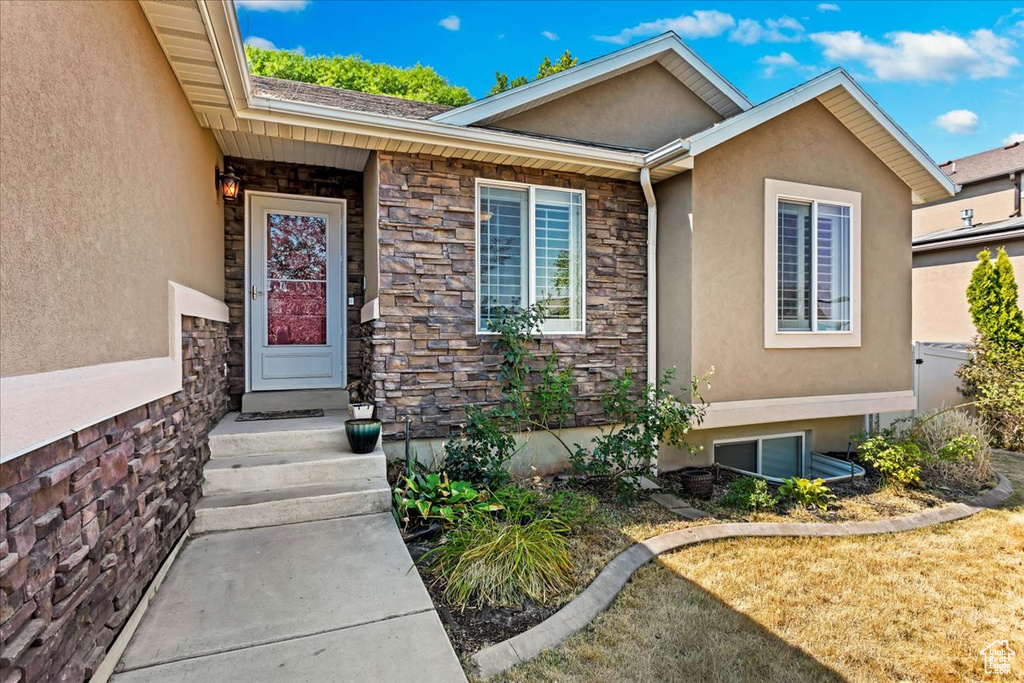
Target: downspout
652	274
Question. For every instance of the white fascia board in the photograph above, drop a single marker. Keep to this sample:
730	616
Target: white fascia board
990	238
602	67
741	123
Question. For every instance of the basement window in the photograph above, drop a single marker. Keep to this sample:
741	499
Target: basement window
530	248
775	457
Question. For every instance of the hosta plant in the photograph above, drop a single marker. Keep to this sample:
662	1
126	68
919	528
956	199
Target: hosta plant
434	497
806	493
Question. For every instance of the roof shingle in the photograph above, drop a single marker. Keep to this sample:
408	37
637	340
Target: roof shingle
985	165
351	100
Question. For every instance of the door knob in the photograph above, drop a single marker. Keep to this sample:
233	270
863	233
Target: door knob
255	293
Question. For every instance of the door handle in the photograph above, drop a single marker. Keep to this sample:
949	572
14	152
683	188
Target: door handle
255	293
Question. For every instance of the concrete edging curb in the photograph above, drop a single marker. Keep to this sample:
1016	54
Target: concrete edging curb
578	613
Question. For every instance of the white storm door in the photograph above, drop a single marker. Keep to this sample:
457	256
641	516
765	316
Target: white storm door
296	297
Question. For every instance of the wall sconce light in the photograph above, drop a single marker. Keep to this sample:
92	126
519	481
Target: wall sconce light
228	184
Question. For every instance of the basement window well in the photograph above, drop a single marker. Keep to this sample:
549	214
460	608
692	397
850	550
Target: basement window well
781	456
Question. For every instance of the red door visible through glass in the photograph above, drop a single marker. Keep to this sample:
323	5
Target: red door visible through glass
296	279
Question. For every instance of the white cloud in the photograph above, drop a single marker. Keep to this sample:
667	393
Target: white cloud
958	122
773	62
700	24
781	30
273	5
934	56
1012	138
452	23
828	7
263	43
550	35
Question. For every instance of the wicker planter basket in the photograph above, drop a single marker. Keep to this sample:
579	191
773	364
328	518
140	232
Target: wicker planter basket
699	483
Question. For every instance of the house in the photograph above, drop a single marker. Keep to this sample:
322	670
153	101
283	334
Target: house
949	233
372	240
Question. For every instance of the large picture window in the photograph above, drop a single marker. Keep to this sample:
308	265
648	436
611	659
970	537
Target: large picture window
530	247
812	255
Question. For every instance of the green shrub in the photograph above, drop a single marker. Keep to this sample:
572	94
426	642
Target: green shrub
806	493
434	497
994	380
749	493
493	562
572	507
897	461
479	454
641	418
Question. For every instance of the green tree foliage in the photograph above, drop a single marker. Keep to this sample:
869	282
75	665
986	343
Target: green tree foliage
353	72
994	377
992	295
546	68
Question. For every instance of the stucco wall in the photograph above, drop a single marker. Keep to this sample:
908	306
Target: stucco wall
805	145
107	184
646	108
991	201
371	250
674	197
941	313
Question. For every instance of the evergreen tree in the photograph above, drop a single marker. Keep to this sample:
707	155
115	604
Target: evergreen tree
993	298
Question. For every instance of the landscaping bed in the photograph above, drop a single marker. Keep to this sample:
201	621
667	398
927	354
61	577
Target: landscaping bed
864	499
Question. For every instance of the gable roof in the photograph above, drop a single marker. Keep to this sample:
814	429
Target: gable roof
666	49
351	100
986	165
855	109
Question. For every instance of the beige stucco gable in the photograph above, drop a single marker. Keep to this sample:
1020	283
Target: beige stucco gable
644	108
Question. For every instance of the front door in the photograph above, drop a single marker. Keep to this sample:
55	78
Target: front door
296	322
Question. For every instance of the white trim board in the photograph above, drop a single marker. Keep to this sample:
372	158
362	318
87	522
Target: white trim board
763	411
41	408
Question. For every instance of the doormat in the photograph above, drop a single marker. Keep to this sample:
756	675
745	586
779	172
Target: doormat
279	415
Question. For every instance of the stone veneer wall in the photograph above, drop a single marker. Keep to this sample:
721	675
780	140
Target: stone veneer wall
85	522
428	362
311	181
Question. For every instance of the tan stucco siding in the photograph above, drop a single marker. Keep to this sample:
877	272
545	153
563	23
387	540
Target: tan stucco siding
827	435
941	313
675	204
107	188
645	108
805	145
991	201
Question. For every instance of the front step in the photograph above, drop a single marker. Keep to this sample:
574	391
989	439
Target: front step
249	473
292	505
299	399
230	438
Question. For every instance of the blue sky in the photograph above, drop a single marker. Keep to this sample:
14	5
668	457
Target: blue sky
950	73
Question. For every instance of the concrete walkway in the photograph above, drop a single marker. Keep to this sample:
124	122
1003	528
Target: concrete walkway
332	600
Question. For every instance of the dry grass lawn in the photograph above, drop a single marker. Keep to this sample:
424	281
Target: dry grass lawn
907	607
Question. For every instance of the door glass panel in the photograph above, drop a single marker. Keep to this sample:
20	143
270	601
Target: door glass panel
741	456
296	279
781	457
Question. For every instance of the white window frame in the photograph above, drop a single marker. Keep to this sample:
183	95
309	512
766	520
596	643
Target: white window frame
531	231
781	190
804	440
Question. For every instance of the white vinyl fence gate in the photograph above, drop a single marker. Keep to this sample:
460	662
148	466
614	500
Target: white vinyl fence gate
935	382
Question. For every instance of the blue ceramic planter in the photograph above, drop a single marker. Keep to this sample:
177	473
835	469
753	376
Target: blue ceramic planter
362	434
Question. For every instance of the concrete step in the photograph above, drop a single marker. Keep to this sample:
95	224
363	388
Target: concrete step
292	505
301	399
230	439
249	473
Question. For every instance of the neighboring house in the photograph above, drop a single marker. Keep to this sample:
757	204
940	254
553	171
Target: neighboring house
947	240
671	221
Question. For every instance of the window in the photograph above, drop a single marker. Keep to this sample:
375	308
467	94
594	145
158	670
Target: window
812	266
773	457
530	248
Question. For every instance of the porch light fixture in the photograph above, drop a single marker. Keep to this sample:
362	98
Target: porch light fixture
229	184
